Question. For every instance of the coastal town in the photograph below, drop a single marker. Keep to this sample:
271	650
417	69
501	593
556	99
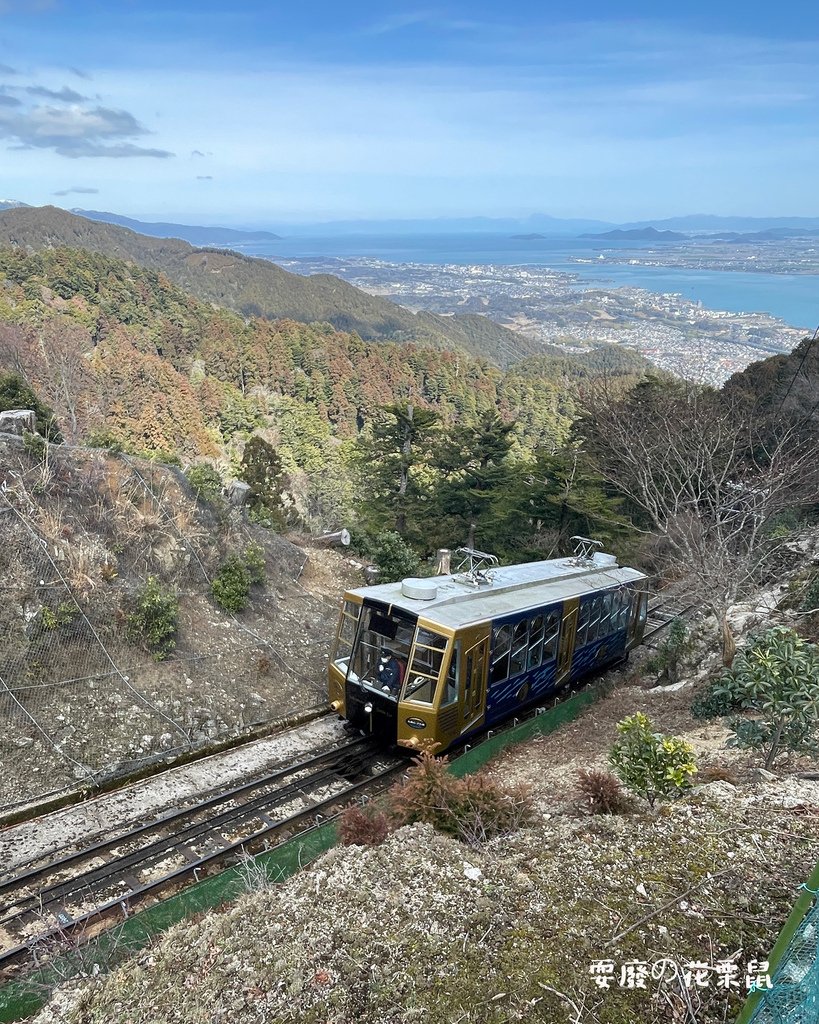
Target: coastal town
559	309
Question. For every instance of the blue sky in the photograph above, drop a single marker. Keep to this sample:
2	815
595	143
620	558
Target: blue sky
268	113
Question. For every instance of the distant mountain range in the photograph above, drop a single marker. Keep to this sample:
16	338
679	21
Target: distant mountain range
257	287
187	232
531	228
700	222
640	235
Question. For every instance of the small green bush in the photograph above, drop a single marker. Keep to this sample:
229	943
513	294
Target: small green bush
237	574
102	437
255	562
155	620
394	557
651	765
54	618
231	585
34	444
671	652
205	481
260	515
714	701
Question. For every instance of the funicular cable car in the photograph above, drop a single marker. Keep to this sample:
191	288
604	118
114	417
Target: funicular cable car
446	657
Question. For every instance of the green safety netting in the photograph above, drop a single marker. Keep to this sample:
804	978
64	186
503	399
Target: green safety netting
793	997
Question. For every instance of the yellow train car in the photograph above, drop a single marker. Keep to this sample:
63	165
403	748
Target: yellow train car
446	657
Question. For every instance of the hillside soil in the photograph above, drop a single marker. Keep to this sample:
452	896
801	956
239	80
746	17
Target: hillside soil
424	928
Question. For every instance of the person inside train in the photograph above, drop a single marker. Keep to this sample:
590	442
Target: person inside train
390	673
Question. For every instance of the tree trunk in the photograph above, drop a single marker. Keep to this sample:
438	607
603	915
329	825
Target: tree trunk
729	644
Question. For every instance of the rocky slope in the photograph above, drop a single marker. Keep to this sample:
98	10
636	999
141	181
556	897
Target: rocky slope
82	532
426	928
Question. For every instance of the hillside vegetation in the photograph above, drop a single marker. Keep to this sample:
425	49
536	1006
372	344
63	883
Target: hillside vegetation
257	287
127	359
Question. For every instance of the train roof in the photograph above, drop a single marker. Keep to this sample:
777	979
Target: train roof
514	588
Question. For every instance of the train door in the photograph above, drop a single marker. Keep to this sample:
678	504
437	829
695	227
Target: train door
568	630
474	659
637	621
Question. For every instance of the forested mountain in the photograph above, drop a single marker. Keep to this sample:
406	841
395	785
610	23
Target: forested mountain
257	287
786	385
125	358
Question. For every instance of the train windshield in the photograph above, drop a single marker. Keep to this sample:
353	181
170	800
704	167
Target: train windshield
425	670
381	652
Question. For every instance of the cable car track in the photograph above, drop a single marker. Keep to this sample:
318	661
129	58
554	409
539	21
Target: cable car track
76	895
42	905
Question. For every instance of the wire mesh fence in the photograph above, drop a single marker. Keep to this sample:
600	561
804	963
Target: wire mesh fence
793	997
81	533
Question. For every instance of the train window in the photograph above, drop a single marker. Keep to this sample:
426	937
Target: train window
451	692
583	623
605	614
594	619
501	648
625	608
345	634
427	658
536	641
380	653
520	644
551	631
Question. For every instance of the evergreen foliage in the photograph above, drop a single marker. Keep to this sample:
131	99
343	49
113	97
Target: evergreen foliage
261	468
674	647
394	557
230	587
205	481
16	394
776	679
154	621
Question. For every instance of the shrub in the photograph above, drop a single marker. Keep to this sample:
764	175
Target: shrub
205	481
34	445
473	809
102	437
231	585
16	394
358	827
261	467
714	701
238	573
775	678
255	562
55	618
670	653
810	599
649	764
155	620
394	557
601	792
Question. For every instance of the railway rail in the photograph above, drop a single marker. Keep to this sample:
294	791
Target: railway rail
83	890
662	611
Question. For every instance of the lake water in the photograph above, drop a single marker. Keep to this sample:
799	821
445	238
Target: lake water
793	298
